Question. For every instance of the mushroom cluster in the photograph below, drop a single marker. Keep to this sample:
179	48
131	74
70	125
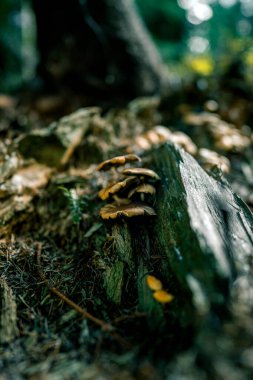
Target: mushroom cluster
159	293
210	159
226	136
131	194
160	134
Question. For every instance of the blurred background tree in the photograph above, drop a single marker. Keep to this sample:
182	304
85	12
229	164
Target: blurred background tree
193	36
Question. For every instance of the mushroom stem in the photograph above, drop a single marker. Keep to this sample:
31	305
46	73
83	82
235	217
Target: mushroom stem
120	201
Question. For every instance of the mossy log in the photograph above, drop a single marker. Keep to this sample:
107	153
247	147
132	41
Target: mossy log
203	229
199	242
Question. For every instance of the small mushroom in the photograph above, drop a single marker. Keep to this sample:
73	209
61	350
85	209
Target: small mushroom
113	210
211	106
153	283
116	187
235	142
142	172
152	137
210	159
143	189
162	296
142	143
118	161
163	133
184	141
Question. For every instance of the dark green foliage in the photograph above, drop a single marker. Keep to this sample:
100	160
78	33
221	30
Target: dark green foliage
165	20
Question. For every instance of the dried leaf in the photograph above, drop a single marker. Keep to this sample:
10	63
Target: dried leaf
30	178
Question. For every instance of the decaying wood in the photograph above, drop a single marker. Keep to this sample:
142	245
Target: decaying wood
8	313
197	245
203	229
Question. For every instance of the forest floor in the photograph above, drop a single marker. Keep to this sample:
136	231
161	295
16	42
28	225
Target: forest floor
53	237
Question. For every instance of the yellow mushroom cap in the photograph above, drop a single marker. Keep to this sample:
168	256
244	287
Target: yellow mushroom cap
116	187
142	172
152	137
153	283
162	296
163	133
114	210
118	161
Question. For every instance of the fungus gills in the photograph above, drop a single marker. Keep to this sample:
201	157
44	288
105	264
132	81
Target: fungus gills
113	210
118	161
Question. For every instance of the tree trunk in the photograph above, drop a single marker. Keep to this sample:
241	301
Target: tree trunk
100	44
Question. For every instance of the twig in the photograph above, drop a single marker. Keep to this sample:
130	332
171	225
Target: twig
104	326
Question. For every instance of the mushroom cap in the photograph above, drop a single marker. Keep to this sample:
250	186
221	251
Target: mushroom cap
153	283
144	188
210	159
142	172
117	187
163	133
152	137
162	296
113	210
142	143
118	161
184	141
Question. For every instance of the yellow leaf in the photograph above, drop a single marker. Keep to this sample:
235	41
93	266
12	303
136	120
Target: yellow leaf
162	296
201	65
153	283
249	58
